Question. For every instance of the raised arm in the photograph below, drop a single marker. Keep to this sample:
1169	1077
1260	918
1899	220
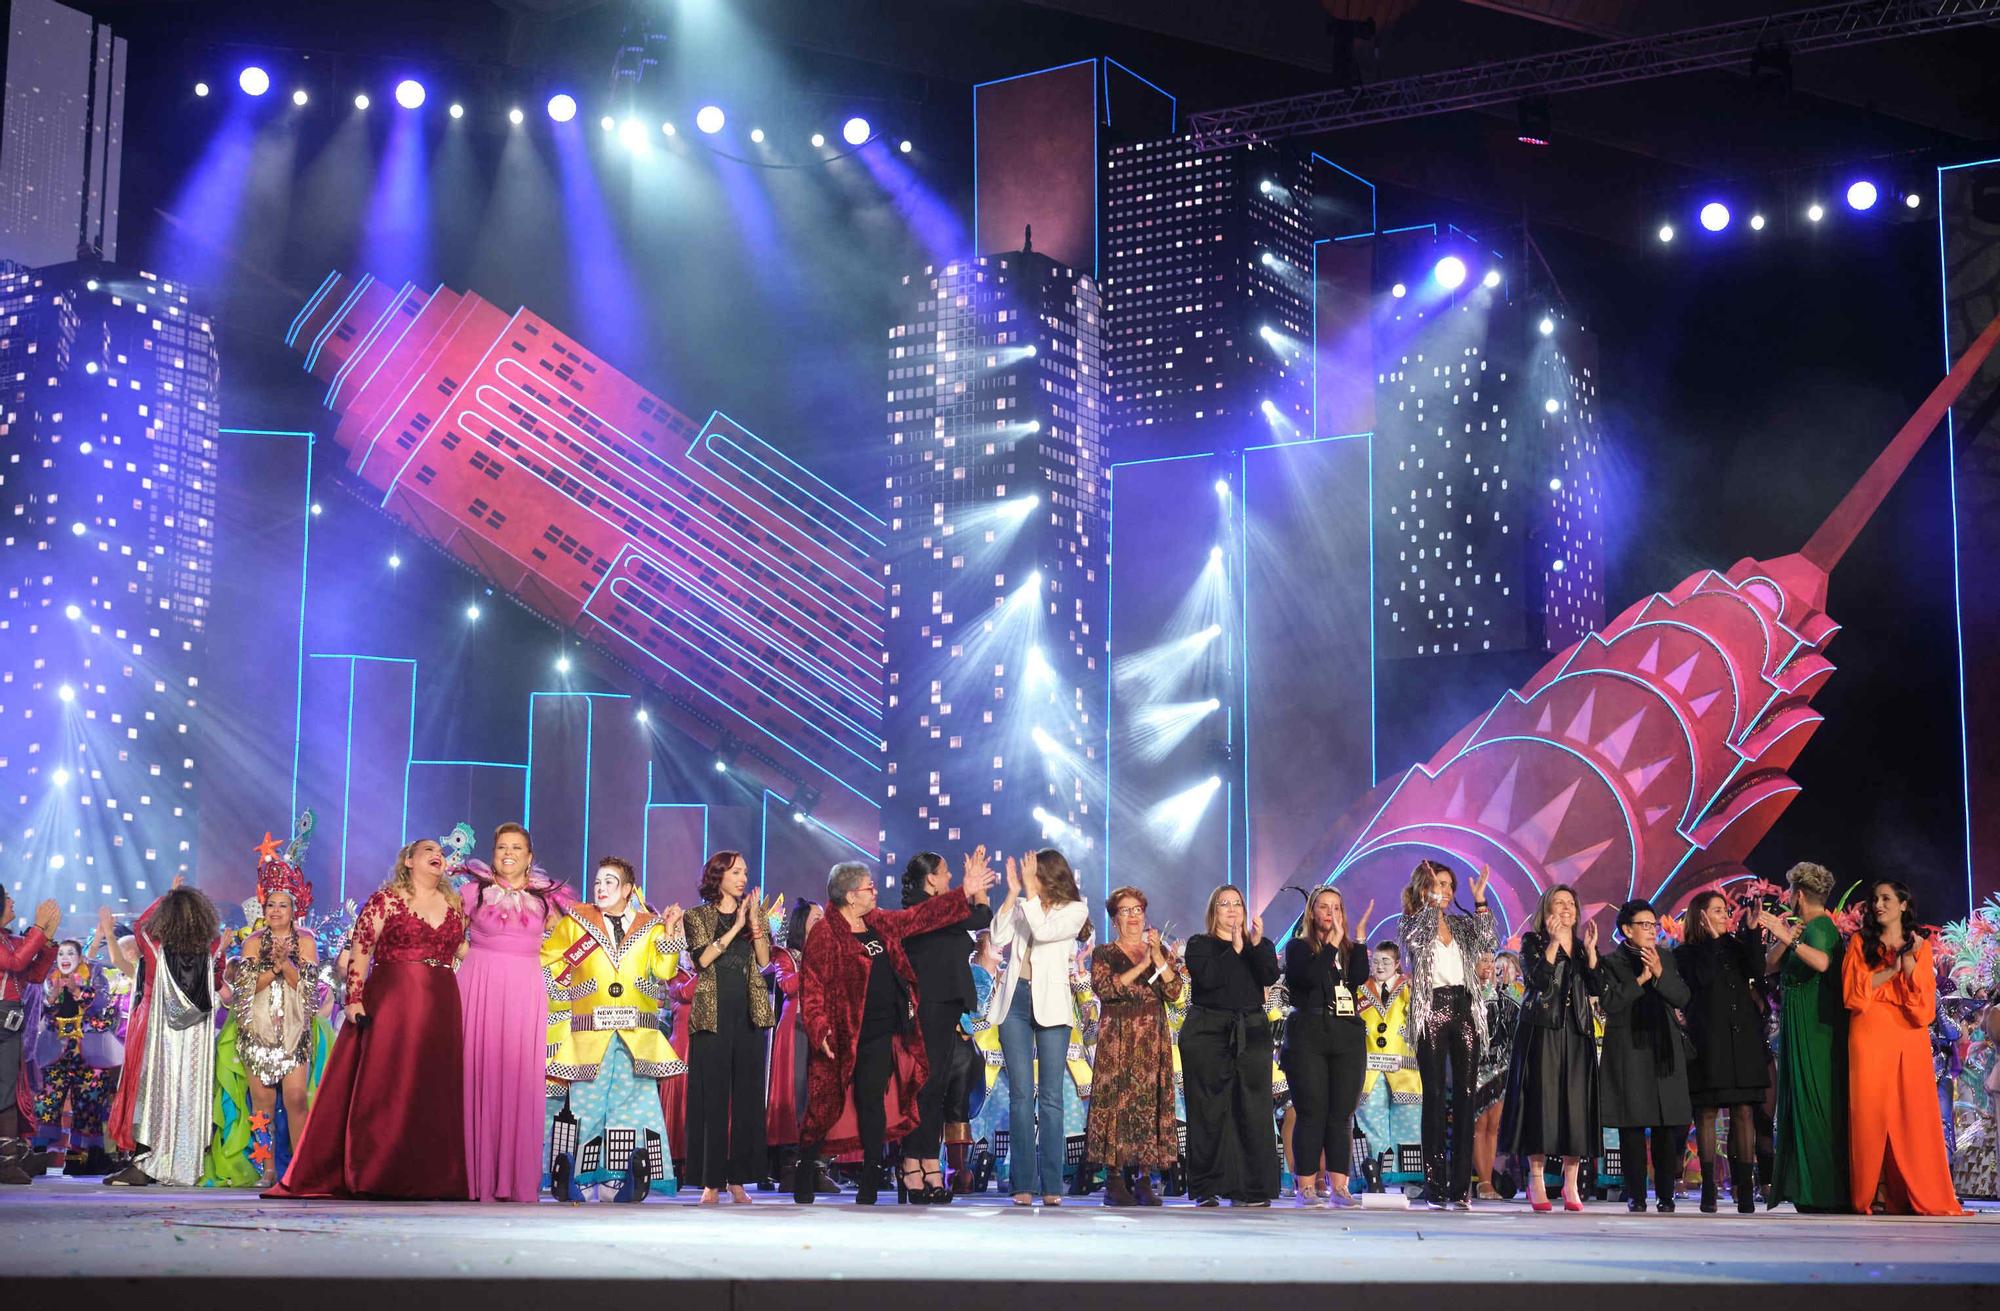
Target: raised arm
1059	924
940	912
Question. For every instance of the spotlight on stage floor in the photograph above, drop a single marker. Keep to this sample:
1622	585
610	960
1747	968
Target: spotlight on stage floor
562	107
1174	820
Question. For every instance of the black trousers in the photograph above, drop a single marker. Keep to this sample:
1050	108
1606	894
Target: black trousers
874	1064
938	1022
1448	1063
1326	1058
725	1104
1669	1145
1232	1136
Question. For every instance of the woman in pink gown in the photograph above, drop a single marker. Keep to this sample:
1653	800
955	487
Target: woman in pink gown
505	1004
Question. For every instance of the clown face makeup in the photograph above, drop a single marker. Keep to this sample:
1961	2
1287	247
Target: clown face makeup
610	891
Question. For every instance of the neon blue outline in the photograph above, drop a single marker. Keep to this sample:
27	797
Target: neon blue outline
1056	68
468	764
1240	512
312	356
528	786
863	510
424	440
1174	101
347	778
707	440
367	340
292	333
1374	210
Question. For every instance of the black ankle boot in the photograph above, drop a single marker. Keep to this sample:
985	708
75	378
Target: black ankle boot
1708	1187
868	1183
805	1178
1743	1183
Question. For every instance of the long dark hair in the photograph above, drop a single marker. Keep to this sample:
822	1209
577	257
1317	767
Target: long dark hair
1416	895
921	867
1697	924
712	872
1873	949
795	924
1057	879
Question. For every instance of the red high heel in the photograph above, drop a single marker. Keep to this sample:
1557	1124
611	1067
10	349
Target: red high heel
1571	1203
1543	1205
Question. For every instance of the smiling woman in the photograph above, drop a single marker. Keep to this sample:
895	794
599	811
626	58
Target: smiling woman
389	1119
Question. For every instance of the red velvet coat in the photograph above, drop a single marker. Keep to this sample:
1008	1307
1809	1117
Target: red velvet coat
835	990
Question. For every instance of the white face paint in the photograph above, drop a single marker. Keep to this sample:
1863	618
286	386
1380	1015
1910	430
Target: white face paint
68	958
609	891
1382	966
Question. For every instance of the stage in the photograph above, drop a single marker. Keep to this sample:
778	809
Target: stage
74	1242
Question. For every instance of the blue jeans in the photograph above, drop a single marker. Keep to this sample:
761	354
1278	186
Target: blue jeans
1026	1046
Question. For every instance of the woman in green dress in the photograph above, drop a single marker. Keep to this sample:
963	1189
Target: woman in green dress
1812	1047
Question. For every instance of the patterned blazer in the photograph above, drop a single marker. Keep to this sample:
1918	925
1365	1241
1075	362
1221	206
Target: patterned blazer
703	925
1470	934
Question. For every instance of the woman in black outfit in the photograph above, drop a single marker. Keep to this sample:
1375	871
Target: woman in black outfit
1730	1067
1642	1083
1552	1081
1326	1050
942	959
1226	1059
728	944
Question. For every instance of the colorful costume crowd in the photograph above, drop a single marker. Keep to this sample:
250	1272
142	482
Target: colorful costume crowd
476	1031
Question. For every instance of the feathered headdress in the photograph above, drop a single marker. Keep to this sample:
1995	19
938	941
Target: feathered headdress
282	872
457	846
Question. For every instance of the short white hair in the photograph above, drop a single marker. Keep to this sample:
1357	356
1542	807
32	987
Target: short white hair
843	879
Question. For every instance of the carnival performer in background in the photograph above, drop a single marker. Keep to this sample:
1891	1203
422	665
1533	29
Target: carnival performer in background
25	961
865	1053
1500	993
1552	1079
79	1063
942	961
1132	1130
785	1070
1443	952
1642	1081
272	1000
390	1118
608	965
1326	1044
509	906
1811	1164
164	1109
1730	1069
1897	1164
730	944
1389	1113
1226	1053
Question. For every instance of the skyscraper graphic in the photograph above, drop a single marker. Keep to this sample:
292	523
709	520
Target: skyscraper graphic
62	131
108	385
997	555
737	583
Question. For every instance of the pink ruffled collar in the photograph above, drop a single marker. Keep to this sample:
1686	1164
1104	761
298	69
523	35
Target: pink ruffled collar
527	901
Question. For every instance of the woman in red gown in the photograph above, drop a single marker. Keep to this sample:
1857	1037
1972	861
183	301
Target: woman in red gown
1897	1162
388	1119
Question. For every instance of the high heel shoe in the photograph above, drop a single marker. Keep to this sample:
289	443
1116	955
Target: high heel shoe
1541	1203
1572	1203
911	1194
939	1193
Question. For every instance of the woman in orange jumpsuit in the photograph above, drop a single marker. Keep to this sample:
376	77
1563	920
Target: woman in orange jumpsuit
1896	1153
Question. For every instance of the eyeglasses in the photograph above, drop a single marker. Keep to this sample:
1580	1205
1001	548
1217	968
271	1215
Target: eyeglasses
1124	911
1643	924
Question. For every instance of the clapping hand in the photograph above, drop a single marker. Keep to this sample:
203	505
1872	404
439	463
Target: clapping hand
1479	884
1650	959
1013	879
1256	929
1776	926
670	919
48	918
1590	938
758	928
978	876
1361	929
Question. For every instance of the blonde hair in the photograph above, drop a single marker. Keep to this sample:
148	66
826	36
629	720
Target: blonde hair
1208	921
1538	921
1313	940
403	879
1417	894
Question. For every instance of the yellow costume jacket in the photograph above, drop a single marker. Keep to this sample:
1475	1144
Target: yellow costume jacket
1392	1048
597	989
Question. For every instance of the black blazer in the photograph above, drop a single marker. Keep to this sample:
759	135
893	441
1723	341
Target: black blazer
1558	992
942	959
1309	975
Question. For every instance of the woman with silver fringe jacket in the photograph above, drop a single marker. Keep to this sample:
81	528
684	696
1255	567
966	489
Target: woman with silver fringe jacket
1443	951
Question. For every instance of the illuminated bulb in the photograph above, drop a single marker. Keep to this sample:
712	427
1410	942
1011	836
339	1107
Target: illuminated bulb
410	93
1666	232
316	508
562	664
1222	487
1556	565
65	694
1399	291
60	778
709	118
1551	405
395	562
1912	200
607	122
73	611
300	97
472	612
201	88
1492	278
1756	222
905	147
457	110
361	100
1815	211
1547	326
77	529
1555	484
562	107
818	140
516	117
757	135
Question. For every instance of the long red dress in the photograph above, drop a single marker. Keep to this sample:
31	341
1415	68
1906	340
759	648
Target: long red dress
1892	1103
389	1120
781	1093
674	1091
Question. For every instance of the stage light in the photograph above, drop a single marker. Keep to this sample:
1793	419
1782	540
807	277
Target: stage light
1551	405
562	664
709	118
1816	211
668	129
1547	326
1268	260
607	123
73	610
1042	740
516	117
1264	187
1222	487
1035	581
1215	557
410	93
299	97
1492	279
562	107
1666	233
1031	351
317	509
395	562
1715	216
818	140
1038	667
642	716
60	778
1399	291
91	368
1756	222
905	146
855	131
457	110
1555	484
201	88
58	860
77	529
1173	821
1862	195
1556	564
1912	200
1449	272
361	100
721	766
757	135
472	612
65	694
633	133
1034	426
254	81
91	285
1211	632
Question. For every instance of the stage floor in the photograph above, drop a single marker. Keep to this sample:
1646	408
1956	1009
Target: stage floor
66	1243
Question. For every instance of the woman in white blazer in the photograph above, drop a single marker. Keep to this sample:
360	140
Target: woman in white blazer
1033	1009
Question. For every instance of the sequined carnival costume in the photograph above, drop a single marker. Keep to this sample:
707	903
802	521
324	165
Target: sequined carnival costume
80	1057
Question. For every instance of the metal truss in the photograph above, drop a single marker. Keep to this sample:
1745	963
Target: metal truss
1609	63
